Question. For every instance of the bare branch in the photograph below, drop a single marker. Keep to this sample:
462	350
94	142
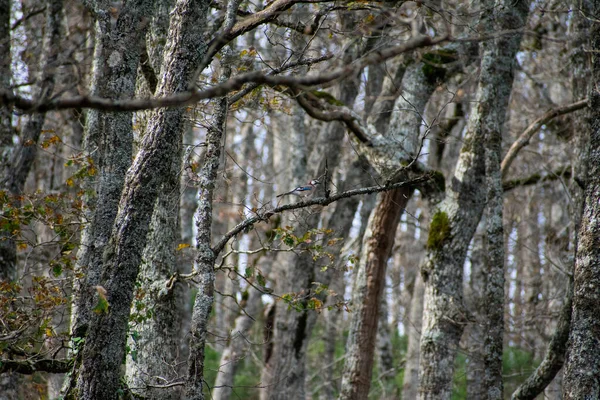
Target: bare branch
320	201
185	98
562	172
555	354
528	133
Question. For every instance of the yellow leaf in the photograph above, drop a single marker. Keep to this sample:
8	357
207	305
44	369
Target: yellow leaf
70	182
49	332
182	246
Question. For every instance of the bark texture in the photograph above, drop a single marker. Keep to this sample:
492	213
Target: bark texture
367	290
108	140
582	369
454	223
205	260
104	349
498	61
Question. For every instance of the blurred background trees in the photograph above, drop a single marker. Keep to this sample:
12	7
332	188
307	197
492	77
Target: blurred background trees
143	250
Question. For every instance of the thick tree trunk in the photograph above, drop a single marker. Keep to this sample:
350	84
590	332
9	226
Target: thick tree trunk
582	370
108	140
454	224
155	338
104	348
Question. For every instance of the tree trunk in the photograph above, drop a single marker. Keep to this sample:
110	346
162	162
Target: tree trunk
104	348
418	85
582	370
8	251
367	291
474	297
154	358
410	384
205	260
454	224
108	140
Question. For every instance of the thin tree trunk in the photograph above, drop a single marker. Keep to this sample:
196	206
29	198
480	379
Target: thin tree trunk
474	296
205	260
410	385
8	251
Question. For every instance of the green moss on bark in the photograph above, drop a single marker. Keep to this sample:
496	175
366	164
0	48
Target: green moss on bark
439	230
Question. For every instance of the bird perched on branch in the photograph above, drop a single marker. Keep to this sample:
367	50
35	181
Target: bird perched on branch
303	191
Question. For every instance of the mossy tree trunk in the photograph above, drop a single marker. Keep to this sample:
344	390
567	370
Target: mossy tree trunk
454	223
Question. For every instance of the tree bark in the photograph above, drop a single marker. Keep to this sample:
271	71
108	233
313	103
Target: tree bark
104	349
582	370
454	224
474	332
403	131
108	141
410	384
367	291
205	260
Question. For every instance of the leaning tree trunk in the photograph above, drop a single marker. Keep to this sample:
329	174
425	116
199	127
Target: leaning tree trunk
454	223
367	291
104	350
582	370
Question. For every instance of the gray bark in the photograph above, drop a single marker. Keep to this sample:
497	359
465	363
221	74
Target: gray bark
155	338
104	350
498	61
454	224
582	370
205	260
474	295
410	384
108	140
529	240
